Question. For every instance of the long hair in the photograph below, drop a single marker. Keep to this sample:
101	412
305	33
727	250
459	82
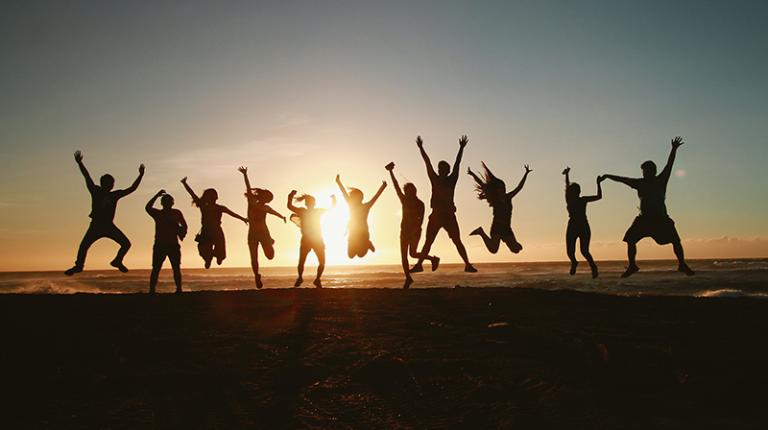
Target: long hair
209	197
572	192
489	187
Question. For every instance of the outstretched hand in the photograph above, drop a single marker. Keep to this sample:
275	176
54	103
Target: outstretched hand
338	178
677	142
141	169
292	193
390	166
600	178
242	169
184	180
528	169
78	156
383	184
419	142
160	193
566	170
463	140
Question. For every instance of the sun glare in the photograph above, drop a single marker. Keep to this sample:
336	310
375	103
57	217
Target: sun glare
334	225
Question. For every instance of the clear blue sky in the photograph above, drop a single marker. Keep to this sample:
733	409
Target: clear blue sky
299	91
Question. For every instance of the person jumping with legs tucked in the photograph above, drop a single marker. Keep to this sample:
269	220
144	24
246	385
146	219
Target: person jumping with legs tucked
578	226
653	220
258	233
359	236
210	241
170	226
494	191
410	225
103	206
308	219
443	214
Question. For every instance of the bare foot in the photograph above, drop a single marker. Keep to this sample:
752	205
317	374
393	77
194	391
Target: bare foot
470	268
317	283
408	282
417	268
72	270
476	232
435	263
298	282
574	265
118	265
685	269
630	270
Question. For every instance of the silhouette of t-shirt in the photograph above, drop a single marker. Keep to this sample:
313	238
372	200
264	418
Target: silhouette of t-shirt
104	204
169	224
502	217
310	223
358	219
577	209
413	214
652	193
211	217
443	189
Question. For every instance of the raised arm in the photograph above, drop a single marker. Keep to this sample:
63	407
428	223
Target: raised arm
189	190
244	171
425	157
567	172
457	164
676	143
342	188
474	176
88	180
599	194
136	182
229	212
519	187
291	207
391	168
378	194
630	182
149	206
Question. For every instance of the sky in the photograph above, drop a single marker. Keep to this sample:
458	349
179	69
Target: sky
301	91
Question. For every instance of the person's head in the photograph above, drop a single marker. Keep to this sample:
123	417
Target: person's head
443	168
490	188
355	195
209	196
649	169
409	189
107	182
262	195
308	200
166	201
573	191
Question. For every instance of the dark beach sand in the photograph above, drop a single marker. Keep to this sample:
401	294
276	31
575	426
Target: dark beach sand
383	359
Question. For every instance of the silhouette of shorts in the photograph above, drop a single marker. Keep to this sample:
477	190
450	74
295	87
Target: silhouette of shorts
446	220
160	251
661	229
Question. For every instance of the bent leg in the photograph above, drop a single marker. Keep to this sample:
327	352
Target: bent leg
118	236
432	228
91	236
452	227
492	243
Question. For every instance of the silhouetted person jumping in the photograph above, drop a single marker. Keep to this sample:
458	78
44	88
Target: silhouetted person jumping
442	203
410	225
170	226
359	237
578	226
103	207
210	241
653	220
494	191
308	219
258	233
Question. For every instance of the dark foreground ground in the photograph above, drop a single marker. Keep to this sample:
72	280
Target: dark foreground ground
474	358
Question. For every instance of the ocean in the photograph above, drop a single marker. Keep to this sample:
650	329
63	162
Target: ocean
714	278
